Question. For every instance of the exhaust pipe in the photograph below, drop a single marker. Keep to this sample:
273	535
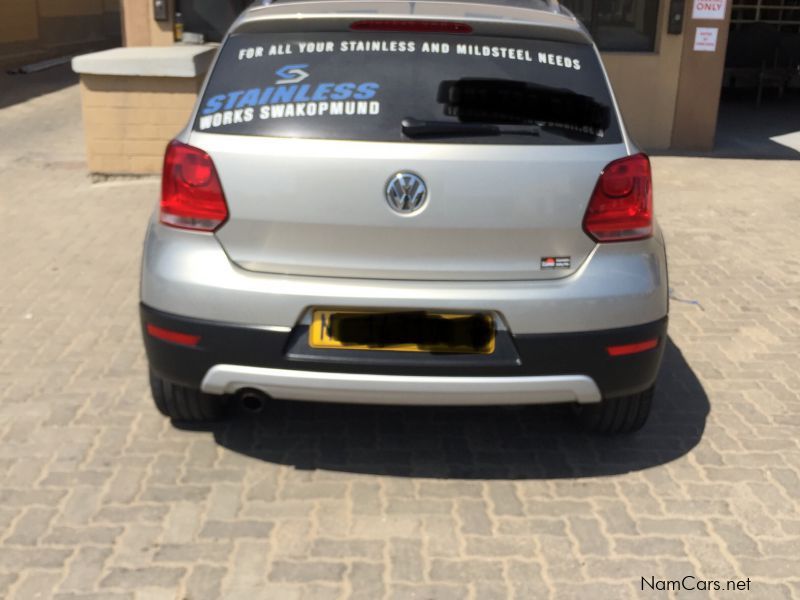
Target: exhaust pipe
253	401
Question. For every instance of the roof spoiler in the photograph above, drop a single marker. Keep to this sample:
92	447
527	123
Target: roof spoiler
556	24
553	4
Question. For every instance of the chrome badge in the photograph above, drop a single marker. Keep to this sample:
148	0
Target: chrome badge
406	192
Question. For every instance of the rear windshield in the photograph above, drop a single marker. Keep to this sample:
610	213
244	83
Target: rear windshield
408	87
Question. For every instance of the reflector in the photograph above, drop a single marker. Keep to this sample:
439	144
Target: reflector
185	339
626	349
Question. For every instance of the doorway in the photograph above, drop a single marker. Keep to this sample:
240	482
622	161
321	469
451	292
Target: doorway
759	114
209	18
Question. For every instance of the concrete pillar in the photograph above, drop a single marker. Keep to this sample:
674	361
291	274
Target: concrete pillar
700	84
140	27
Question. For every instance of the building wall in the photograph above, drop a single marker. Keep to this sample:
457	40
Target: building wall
37	29
18	22
646	85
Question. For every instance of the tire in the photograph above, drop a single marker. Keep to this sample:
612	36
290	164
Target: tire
614	416
185	404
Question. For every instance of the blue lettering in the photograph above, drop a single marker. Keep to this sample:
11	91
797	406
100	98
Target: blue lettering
250	98
343	91
290	93
214	104
265	96
232	98
302	93
366	91
283	93
322	91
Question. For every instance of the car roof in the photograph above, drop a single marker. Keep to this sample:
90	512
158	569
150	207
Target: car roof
543	14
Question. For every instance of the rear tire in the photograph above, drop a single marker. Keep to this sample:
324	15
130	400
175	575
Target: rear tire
616	415
185	404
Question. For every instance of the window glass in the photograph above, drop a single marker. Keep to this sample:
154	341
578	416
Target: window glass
621	25
358	86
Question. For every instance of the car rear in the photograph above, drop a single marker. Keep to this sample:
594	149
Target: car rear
428	203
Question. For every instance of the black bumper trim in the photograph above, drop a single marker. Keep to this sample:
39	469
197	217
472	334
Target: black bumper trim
516	355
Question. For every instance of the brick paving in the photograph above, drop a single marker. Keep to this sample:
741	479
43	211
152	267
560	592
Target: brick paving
102	498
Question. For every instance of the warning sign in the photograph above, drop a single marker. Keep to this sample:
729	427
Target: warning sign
709	9
705	40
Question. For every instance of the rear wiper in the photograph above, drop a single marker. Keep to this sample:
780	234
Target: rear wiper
416	128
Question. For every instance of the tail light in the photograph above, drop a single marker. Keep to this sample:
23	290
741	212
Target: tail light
411	25
628	349
621	208
176	337
191	194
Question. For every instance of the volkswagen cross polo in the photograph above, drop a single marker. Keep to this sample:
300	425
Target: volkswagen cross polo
429	203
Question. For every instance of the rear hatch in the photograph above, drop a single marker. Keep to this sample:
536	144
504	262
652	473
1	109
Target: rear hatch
507	135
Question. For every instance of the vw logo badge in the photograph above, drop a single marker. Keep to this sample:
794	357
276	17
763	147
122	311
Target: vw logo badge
406	192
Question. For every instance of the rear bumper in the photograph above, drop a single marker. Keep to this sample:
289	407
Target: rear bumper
359	388
619	285
525	369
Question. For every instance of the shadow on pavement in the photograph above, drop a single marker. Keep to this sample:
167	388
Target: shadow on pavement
467	443
15	89
746	130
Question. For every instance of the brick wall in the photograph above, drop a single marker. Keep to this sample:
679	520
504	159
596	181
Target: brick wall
129	120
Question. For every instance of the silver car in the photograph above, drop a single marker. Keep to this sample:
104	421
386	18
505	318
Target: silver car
399	202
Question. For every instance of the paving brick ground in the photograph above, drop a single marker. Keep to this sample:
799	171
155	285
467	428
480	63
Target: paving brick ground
102	498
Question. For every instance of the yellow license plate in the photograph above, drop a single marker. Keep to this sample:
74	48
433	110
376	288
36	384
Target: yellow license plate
403	331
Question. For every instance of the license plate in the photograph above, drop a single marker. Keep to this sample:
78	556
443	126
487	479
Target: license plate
403	331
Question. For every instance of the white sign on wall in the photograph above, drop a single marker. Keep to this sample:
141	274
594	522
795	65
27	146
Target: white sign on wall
705	40
709	9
